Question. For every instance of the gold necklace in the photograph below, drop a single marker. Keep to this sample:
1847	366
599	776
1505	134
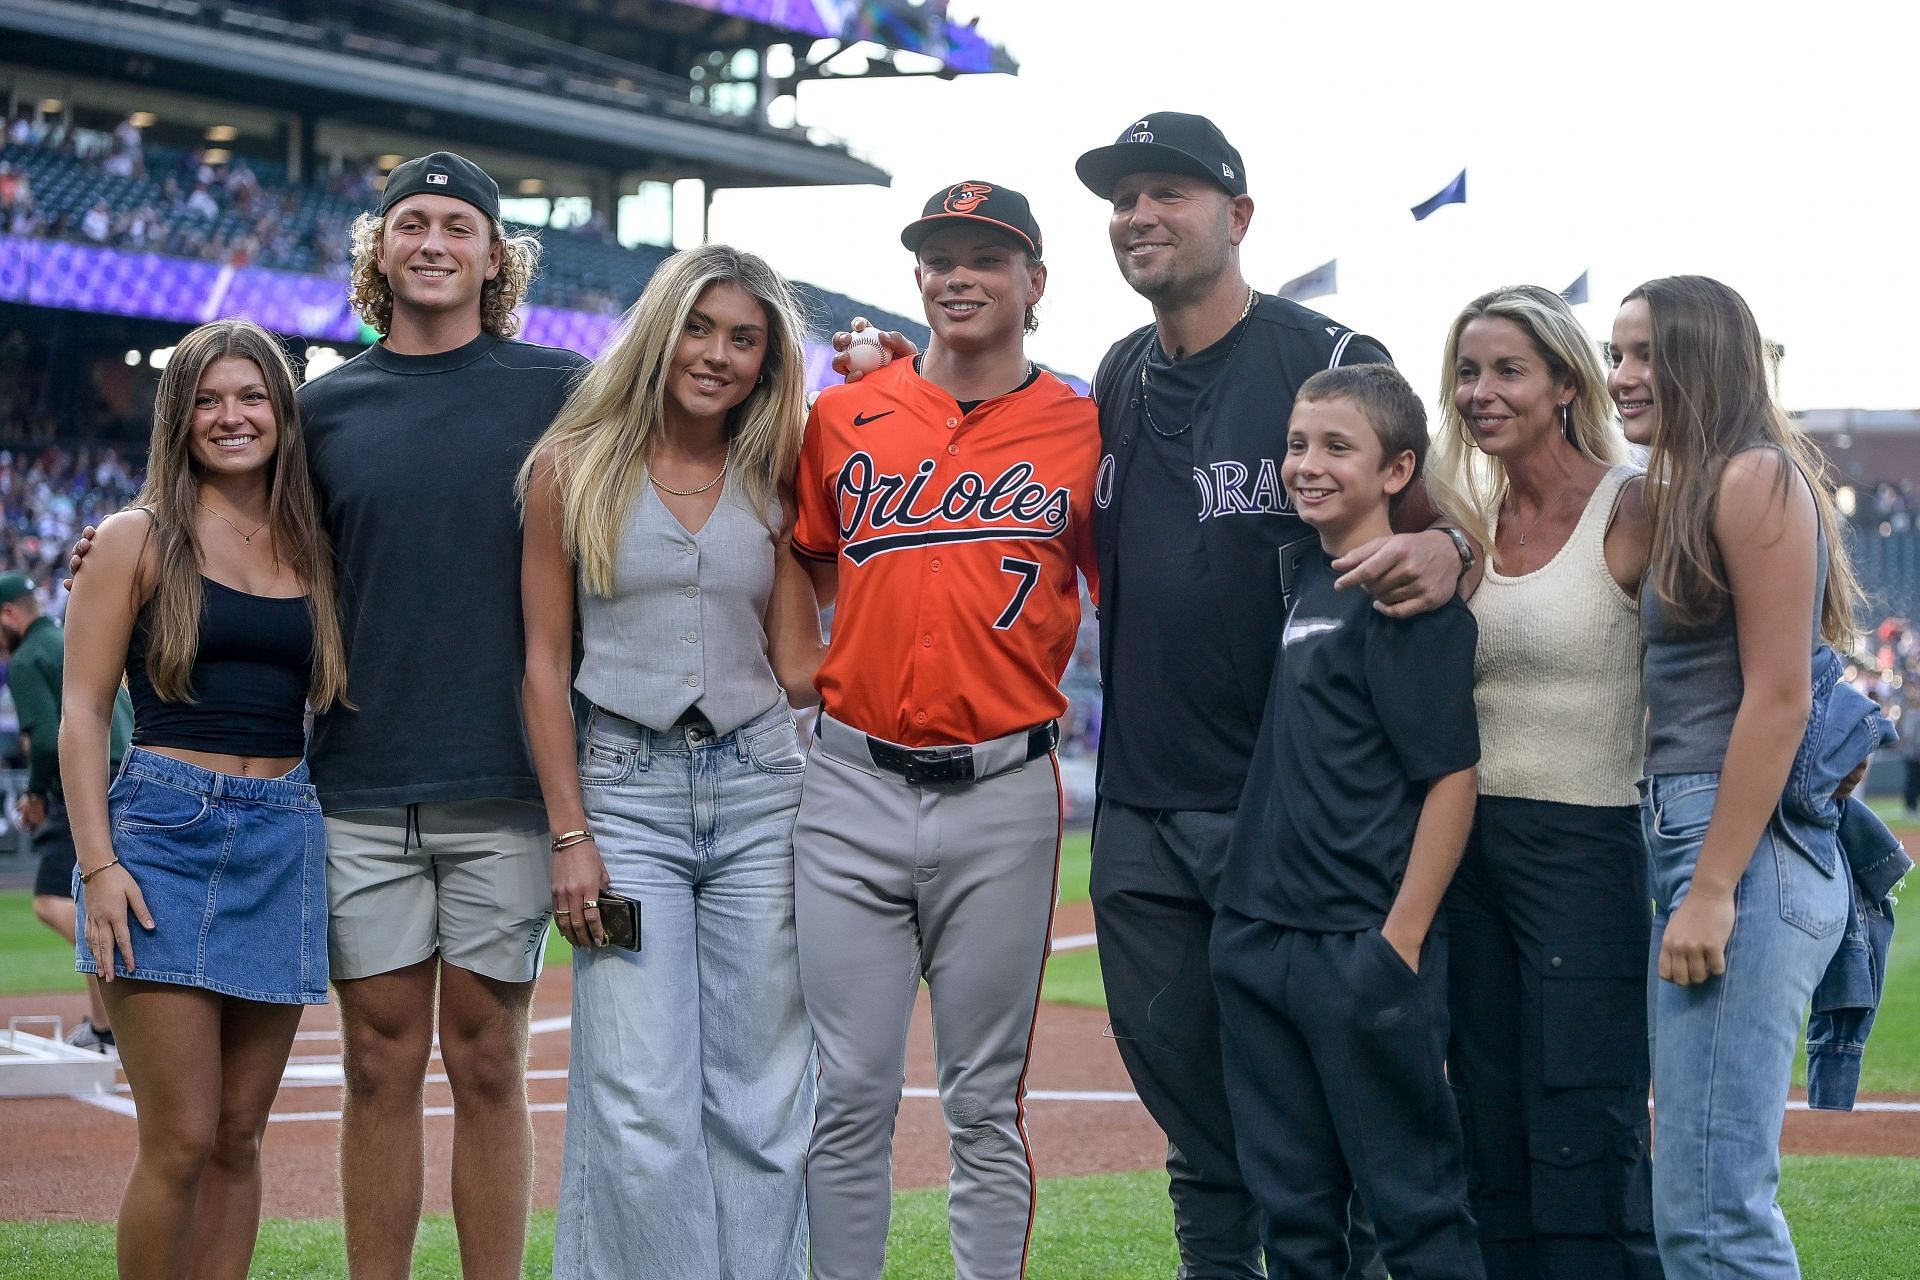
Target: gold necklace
1531	524
691	493
244	537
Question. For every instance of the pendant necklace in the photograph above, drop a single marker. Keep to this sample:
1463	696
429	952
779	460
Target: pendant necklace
244	537
1145	397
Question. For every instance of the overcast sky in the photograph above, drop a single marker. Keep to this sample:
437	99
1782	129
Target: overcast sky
1772	145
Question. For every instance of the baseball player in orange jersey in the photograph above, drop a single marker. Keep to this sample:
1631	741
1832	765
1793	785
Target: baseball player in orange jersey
948	502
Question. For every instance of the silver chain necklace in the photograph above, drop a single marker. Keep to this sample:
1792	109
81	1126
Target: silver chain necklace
1147	409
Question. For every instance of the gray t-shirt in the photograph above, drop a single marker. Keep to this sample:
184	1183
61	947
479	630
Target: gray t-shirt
414	459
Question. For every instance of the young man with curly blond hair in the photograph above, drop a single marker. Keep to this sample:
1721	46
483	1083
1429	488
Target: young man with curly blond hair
438	854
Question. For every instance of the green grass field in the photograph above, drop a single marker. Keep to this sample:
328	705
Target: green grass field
1852	1219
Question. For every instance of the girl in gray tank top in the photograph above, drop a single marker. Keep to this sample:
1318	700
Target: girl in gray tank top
1747	574
656	512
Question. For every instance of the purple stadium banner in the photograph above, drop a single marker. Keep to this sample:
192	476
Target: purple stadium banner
78	277
897	24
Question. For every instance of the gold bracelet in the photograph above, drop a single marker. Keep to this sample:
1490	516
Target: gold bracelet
85	876
568	839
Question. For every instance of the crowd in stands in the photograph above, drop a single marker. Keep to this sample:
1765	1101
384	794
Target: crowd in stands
186	204
47	495
116	191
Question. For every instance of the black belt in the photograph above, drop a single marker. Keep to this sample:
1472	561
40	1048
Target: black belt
933	766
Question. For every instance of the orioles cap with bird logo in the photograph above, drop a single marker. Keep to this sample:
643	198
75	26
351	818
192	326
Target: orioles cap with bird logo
976	202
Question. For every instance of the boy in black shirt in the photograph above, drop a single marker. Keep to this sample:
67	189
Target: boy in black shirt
1331	978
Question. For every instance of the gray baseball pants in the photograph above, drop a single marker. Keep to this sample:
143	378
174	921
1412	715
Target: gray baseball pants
955	884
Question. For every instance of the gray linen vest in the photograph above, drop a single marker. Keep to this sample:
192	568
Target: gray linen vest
686	624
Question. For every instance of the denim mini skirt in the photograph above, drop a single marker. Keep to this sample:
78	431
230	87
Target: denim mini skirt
233	871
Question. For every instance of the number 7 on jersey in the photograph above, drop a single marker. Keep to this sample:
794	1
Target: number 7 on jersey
1028	571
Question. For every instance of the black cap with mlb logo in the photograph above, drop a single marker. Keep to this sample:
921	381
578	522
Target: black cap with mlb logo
1165	142
975	202
443	174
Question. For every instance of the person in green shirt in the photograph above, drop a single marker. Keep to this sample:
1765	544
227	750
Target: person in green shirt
37	646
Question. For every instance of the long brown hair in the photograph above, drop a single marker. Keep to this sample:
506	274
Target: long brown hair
601	436
172	494
1710	372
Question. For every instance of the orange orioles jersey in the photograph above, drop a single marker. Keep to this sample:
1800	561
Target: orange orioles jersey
958	539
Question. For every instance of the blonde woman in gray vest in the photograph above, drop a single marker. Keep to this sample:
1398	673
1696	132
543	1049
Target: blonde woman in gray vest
657	513
1548	916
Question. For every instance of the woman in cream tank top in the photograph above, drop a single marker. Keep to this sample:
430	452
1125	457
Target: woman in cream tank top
1548	915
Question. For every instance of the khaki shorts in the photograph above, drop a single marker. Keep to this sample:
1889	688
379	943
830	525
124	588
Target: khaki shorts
470	879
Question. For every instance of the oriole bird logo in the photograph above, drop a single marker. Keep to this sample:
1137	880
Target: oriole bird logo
967	196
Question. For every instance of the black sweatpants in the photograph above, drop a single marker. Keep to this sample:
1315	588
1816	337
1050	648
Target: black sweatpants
1334	1053
1549	920
1156	878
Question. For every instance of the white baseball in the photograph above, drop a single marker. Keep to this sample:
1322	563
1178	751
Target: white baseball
864	352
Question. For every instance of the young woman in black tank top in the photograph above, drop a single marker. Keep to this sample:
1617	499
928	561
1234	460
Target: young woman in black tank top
201	868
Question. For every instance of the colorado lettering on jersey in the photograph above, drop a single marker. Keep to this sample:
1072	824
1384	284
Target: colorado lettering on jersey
882	511
1226	488
1225	491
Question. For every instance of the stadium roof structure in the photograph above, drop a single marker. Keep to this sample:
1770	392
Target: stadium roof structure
489	82
897	26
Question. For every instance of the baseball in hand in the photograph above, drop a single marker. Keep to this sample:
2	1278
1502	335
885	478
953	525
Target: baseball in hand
864	352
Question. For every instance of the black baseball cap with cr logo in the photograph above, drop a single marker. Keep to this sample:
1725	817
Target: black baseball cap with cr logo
1165	142
979	203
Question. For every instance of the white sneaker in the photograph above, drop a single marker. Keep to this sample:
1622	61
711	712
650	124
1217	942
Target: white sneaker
88	1036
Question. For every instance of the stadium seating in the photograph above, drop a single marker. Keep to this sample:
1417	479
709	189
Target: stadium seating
581	270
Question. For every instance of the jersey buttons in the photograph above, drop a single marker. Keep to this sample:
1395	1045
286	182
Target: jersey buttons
953	449
953	422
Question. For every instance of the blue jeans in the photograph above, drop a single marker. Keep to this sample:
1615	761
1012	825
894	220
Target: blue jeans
690	1087
1723	1049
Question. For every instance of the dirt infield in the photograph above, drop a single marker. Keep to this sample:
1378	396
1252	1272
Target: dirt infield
67	1158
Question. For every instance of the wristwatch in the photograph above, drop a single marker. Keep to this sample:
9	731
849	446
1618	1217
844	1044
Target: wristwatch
1463	546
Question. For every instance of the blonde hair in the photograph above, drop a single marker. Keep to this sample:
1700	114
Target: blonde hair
372	297
1467	484
1710	368
600	439
172	493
